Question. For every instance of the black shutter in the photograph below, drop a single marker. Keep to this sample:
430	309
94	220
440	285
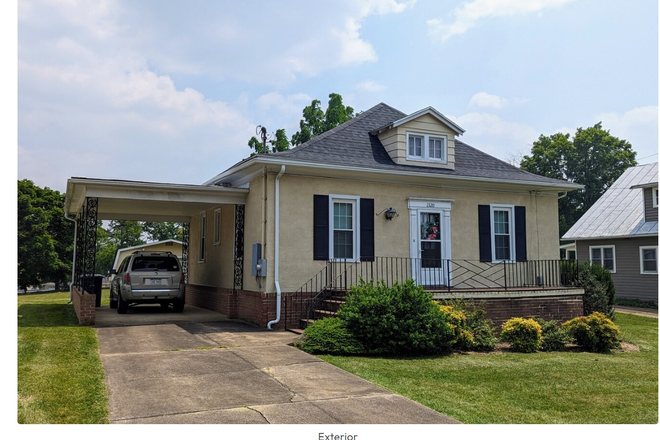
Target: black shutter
367	248
321	227
485	252
521	234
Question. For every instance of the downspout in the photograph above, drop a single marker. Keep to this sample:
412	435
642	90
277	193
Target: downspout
277	249
73	266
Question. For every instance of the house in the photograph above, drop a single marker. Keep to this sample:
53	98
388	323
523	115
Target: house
386	195
620	232
170	245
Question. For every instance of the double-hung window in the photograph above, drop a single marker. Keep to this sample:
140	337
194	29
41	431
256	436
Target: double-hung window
654	196
648	259
344	228
426	147
603	256
502	233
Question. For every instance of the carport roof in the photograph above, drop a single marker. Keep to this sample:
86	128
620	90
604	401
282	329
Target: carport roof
147	201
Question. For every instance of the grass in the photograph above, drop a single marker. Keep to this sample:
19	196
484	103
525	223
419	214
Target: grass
60	376
560	387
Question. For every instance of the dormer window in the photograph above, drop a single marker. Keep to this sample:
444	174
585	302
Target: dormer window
427	147
654	196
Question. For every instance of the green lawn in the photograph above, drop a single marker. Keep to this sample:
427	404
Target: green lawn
565	387
60	376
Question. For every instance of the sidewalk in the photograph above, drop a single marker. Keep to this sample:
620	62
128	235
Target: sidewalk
651	313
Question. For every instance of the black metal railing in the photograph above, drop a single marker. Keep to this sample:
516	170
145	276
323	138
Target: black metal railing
437	275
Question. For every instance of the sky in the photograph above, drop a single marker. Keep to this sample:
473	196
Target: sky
171	91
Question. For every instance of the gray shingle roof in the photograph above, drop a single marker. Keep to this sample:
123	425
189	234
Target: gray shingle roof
352	144
620	211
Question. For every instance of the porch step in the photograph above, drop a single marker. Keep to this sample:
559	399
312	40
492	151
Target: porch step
325	313
297	331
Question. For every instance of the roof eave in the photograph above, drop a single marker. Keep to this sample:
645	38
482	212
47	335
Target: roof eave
247	170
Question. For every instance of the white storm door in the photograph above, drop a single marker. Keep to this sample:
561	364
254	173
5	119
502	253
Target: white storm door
430	241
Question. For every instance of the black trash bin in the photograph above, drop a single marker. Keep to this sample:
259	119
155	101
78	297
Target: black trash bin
93	285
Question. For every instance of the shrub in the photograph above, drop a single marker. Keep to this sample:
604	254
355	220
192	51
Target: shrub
554	337
402	319
595	332
472	330
598	289
523	334
330	336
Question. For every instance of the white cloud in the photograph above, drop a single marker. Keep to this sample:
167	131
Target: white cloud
486	100
468	15
638	126
370	87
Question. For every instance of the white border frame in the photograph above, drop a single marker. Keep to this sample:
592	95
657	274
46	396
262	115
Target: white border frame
603	246
641	260
512	231
355	200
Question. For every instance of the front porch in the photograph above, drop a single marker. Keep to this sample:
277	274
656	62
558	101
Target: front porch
542	288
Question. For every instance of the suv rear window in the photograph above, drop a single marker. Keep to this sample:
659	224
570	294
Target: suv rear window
155	262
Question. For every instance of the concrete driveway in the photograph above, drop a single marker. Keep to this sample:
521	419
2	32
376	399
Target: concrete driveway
231	372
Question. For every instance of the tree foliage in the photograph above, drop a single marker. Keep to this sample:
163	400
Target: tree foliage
159	231
593	158
45	237
314	122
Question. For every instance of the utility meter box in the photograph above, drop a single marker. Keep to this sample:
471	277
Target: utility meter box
258	263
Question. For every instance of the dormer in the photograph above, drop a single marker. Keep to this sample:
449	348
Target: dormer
424	138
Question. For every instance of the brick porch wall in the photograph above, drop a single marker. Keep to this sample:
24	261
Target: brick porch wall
256	307
85	306
560	308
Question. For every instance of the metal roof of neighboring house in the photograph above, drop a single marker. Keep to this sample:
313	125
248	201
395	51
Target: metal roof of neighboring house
620	211
352	144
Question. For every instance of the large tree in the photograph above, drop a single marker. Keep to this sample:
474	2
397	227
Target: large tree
593	158
45	237
314	122
159	231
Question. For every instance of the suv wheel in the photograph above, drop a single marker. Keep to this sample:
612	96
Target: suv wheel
178	305
113	300
122	306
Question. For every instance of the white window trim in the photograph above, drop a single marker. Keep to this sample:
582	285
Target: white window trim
654	196
355	200
425	147
217	226
202	238
512	231
601	247
641	260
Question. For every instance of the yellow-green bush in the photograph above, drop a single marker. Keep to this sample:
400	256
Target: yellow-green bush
523	334
595	332
472	331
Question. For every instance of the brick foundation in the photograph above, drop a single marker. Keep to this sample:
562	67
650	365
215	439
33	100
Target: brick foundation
84	305
260	308
560	308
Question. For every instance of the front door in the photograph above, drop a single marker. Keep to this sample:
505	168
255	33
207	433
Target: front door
430	241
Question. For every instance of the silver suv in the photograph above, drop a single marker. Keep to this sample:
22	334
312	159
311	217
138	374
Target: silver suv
148	277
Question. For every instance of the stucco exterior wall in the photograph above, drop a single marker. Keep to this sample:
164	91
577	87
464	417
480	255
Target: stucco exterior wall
217	269
392	238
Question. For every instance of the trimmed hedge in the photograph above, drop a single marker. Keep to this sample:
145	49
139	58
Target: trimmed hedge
402	319
595	332
554	336
330	336
523	334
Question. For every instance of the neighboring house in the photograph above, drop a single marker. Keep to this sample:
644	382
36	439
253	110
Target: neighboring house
620	232
386	194
171	245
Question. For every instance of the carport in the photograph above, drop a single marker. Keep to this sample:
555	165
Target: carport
90	200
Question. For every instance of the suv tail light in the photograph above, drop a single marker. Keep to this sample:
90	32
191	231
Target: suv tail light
183	278
127	278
